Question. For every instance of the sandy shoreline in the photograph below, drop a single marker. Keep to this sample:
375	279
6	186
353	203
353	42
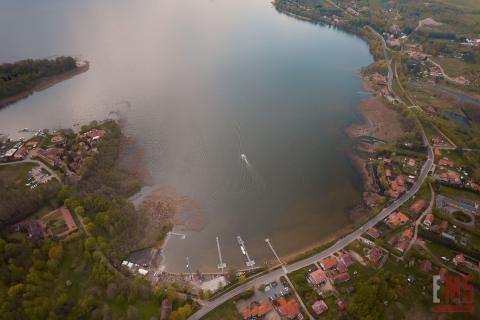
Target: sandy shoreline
45	84
377	122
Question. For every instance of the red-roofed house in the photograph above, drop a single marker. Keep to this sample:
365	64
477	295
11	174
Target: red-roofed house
407	234
290	308
411	162
319	307
317	277
95	133
346	259
21	153
400	180
446	163
328	263
402	245
341	277
438	152
375	254
450	177
417	206
372	232
475	186
398	219
264	308
429	220
341	267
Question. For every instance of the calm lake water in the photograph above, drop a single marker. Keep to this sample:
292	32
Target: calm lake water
202	82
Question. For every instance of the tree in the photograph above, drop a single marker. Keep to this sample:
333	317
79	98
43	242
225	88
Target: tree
232	275
55	252
90	244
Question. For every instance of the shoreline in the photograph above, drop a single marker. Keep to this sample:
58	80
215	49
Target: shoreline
45	84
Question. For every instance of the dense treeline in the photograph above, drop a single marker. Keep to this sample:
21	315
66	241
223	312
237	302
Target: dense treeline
18	201
101	198
24	75
69	280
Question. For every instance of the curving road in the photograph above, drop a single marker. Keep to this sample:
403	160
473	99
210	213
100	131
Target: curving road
340	244
387	59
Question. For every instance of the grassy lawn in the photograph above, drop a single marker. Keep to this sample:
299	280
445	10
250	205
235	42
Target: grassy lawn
226	311
15	174
453	192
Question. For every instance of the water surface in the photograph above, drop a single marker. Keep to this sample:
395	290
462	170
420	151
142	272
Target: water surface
202	82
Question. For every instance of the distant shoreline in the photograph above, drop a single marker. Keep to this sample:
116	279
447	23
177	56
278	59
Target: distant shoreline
45	84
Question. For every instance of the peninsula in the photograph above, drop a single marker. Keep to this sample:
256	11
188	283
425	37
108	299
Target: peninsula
20	79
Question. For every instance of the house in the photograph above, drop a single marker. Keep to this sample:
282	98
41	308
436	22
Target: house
346	259
50	156
341	267
426	266
446	163
317	277
264	308
328	263
417	206
21	153
411	162
407	234
429	220
341	305
319	307
459	260
166	309
375	254
67	217
438	152
474	186
257	311
397	219
387	160
341	277
289	309
450	177
400	180
402	245
95	134
372	232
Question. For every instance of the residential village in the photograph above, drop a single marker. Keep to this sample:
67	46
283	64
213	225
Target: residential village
54	156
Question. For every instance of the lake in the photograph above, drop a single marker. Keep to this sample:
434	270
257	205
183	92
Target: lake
201	82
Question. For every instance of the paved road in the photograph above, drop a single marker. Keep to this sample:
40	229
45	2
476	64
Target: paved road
41	164
387	59
340	244
420	218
